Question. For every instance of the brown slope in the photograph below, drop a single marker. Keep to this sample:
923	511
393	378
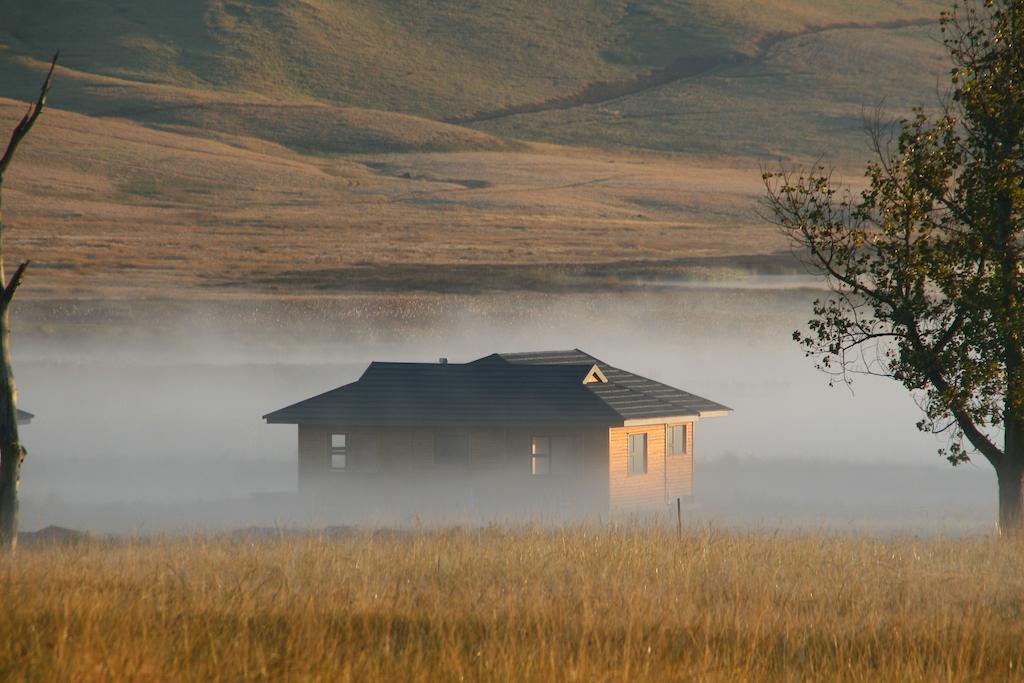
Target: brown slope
677	70
111	208
303	125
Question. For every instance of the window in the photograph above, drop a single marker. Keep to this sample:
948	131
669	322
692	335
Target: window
339	452
677	439
451	450
637	456
540	456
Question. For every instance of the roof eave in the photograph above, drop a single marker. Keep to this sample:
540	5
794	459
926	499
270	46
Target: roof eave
363	422
663	419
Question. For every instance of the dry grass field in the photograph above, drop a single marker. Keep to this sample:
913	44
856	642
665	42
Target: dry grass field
580	604
152	213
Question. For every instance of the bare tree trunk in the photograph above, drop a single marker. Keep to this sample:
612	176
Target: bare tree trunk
12	453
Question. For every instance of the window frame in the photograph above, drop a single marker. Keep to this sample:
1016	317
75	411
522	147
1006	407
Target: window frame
336	451
535	457
670	442
632	470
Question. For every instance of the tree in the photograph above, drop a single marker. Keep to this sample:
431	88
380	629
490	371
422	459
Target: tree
924	265
12	453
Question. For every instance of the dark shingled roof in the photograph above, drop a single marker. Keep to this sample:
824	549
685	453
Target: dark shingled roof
509	388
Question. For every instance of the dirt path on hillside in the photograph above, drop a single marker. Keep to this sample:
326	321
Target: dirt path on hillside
597	92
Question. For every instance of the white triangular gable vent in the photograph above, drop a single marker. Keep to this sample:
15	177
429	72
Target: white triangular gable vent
595	375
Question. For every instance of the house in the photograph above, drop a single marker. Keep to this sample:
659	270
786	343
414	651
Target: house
553	433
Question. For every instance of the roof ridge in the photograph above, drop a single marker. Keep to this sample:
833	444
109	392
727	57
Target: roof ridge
473	365
537	353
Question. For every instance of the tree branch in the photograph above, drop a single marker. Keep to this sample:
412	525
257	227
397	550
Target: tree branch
12	286
793	216
29	120
963	420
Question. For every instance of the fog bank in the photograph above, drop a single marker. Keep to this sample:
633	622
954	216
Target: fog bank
153	410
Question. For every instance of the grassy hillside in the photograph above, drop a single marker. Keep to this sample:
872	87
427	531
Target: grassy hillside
426	57
146	212
446	59
307	146
806	96
302	124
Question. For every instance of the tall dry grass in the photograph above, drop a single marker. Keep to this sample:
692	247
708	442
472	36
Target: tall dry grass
516	604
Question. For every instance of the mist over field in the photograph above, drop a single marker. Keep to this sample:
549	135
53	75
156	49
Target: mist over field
159	428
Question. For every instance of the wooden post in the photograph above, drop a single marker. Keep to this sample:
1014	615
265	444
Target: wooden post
679	516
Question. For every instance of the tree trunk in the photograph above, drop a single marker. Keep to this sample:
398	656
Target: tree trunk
1010	476
11	451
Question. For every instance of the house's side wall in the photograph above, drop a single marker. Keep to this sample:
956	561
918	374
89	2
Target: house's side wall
636	492
392	472
679	468
667	476
314	455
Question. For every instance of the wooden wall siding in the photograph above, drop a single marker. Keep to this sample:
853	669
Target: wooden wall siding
634	492
679	470
668	476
